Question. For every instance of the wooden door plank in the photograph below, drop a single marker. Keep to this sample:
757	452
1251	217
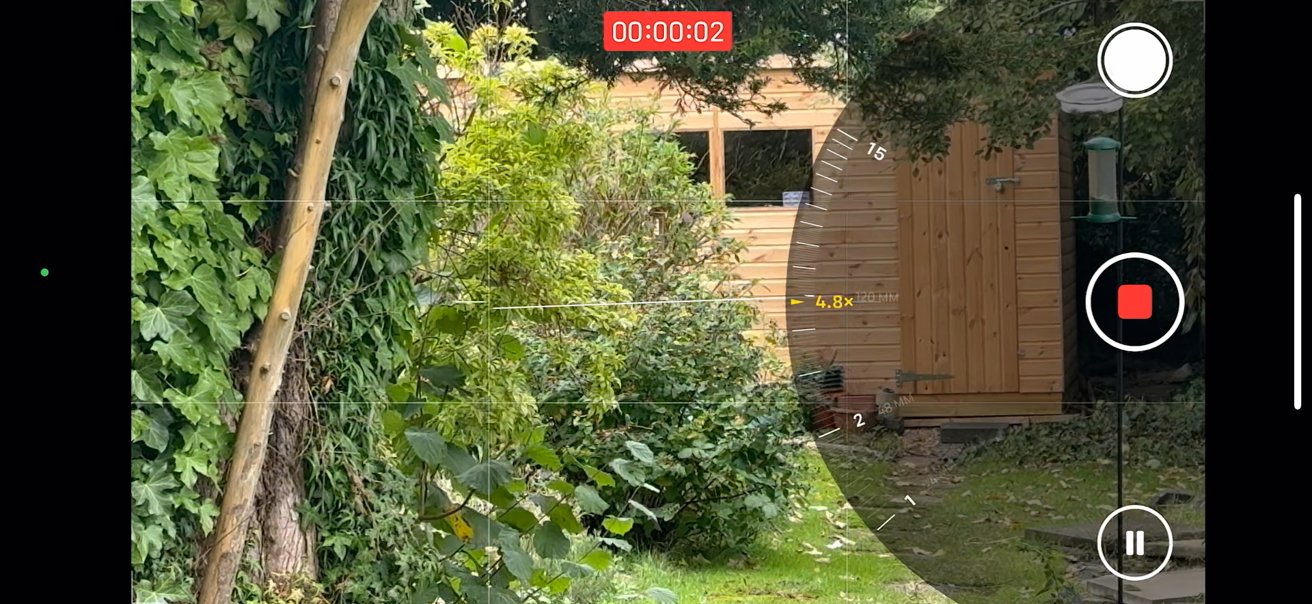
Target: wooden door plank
924	361
906	258
942	262
1007	277
992	256
959	360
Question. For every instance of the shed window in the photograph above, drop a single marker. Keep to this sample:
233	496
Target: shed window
698	144
761	166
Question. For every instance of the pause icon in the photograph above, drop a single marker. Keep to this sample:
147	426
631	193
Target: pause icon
1134	543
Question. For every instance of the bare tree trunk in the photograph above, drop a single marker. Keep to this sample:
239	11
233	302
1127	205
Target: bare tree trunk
288	549
302	217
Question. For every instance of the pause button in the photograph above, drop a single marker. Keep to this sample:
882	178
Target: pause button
1134	543
1134	539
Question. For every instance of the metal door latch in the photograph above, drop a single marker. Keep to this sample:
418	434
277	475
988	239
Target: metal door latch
903	377
999	182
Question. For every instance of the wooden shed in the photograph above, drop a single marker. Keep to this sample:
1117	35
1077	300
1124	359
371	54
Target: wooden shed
977	281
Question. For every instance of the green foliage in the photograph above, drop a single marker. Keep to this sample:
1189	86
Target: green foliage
502	241
197	282
1156	433
501	524
719	472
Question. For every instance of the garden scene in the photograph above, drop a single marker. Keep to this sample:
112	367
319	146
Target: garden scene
408	321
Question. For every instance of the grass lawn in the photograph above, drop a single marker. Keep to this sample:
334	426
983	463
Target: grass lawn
972	539
794	564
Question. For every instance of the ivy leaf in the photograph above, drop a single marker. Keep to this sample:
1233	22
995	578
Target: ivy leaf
156	435
640	451
589	501
152	492
200	97
427	444
204	283
265	12
179	158
486	476
544	456
550	542
146	592
225	332
598	559
660	595
617	525
518	563
165	319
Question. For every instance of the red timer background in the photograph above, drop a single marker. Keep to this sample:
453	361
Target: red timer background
667	31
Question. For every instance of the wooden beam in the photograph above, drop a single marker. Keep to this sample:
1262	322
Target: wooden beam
303	214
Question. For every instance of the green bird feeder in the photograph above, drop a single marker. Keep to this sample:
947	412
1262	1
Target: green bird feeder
1104	206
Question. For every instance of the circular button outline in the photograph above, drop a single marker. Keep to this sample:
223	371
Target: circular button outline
1102	54
1088	301
1170	543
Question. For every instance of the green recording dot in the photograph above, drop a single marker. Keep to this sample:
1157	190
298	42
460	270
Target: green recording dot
45	272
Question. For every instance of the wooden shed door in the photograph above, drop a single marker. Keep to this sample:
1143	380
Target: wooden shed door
957	271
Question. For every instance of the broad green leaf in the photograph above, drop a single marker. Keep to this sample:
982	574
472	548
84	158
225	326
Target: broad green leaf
544	456
266	13
486	476
152	490
564	517
156	435
756	501
617	525
618	544
205	285
520	519
511	348
394	424
660	595
550	542
223	328
147	541
600	477
598	559
427	444
562	487
201	97
148	592
518	563
139	422
589	501
643	509
165	319
640	451
630	474
179	158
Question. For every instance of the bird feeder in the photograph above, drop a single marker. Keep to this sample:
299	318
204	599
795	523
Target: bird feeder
1103	199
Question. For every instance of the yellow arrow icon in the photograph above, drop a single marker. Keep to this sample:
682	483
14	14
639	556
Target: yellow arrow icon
794	302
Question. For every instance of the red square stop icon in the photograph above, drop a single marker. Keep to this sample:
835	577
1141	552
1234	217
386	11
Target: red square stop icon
1134	302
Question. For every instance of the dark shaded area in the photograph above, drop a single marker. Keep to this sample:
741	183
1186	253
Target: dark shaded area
760	165
698	144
